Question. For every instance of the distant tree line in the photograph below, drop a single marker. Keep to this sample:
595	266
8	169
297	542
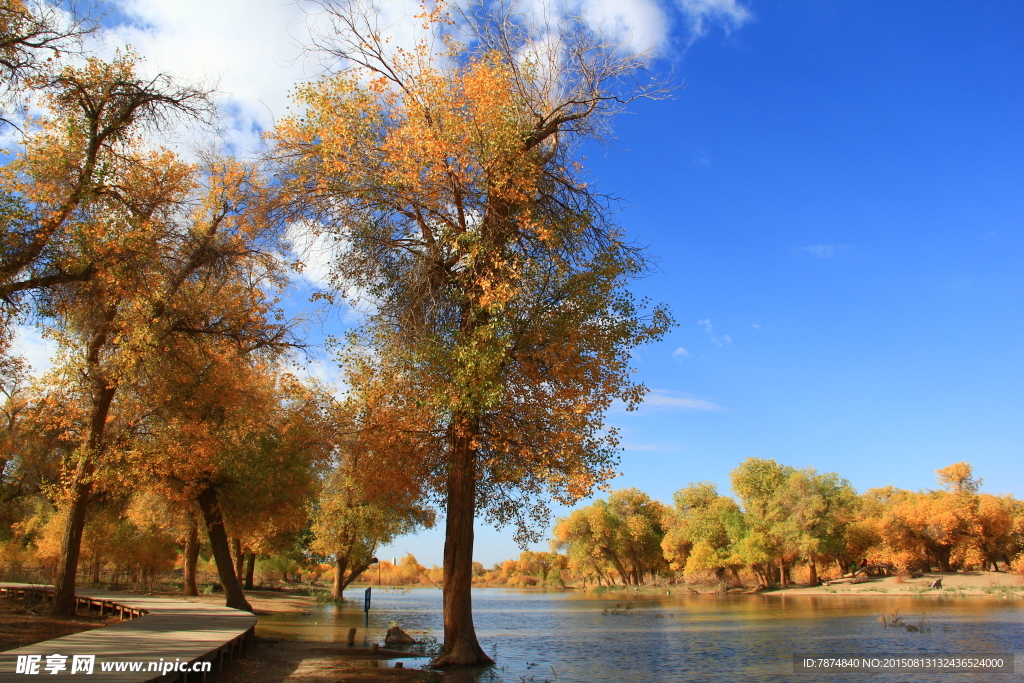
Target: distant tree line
782	518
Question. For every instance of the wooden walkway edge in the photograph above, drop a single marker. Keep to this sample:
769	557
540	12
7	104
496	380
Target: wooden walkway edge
163	640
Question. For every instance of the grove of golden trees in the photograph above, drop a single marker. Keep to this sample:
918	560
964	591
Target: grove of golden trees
783	518
445	173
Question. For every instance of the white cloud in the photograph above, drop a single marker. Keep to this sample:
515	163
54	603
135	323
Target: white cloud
640	25
316	250
680	352
249	49
823	251
702	14
756	326
36	349
715	339
657	398
636	25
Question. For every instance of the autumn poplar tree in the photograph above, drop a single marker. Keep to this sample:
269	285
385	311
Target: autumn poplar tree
352	519
34	33
447	175
621	535
124	250
244	441
701	530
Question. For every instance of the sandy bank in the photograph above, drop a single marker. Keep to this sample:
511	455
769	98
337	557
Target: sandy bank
999	584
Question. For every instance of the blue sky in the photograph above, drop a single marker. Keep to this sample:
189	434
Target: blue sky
835	203
850	183
839	190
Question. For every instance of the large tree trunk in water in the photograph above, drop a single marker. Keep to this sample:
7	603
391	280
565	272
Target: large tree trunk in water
341	582
233	593
191	556
81	487
461	647
250	569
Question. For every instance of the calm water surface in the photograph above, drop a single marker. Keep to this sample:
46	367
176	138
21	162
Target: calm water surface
575	637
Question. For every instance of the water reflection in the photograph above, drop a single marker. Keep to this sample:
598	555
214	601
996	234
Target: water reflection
629	638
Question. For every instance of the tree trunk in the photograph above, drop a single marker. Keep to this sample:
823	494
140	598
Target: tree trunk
616	563
783	577
234	595
81	487
814	570
71	547
341	581
338	588
236	547
763	574
250	569
191	556
461	647
97	563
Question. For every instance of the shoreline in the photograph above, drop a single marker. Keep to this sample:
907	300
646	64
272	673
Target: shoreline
954	584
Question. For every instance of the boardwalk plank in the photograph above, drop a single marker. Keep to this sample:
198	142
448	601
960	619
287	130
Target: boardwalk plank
171	631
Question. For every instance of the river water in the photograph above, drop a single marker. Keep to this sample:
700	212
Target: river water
576	637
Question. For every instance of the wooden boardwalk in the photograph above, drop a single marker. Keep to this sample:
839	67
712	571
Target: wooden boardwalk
161	631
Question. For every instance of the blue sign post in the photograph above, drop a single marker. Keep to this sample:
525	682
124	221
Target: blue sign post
366	606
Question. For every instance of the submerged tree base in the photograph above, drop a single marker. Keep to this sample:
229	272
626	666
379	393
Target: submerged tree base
462	652
461	660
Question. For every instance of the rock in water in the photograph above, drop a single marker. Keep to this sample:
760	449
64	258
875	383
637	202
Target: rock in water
397	636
